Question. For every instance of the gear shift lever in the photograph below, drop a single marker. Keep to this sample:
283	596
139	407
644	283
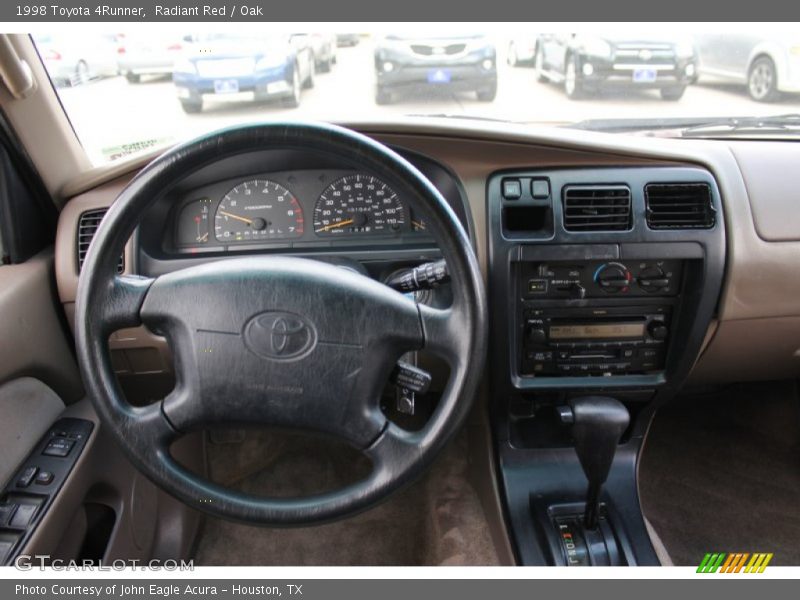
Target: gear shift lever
598	424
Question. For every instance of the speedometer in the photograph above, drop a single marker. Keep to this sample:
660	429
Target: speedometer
258	210
358	204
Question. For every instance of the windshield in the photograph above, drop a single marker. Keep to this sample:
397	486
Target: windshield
129	91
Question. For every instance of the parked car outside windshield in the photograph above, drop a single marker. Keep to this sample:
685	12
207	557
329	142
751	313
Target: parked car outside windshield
75	60
453	64
769	66
237	68
133	89
587	64
141	55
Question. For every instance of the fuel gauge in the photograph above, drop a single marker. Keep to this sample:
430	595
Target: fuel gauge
417	222
193	226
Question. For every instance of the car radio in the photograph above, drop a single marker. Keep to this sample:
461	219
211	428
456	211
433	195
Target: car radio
594	340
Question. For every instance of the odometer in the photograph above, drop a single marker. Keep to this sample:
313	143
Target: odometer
358	204
258	210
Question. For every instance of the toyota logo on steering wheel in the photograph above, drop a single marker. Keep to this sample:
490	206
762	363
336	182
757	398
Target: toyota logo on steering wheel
279	335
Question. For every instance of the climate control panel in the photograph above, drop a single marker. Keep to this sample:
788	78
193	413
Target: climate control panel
600	279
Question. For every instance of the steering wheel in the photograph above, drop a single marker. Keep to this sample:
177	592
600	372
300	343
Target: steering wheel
277	340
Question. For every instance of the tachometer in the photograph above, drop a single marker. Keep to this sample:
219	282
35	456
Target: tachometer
358	204
258	210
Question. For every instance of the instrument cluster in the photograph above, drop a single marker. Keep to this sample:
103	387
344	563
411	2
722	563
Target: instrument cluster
301	208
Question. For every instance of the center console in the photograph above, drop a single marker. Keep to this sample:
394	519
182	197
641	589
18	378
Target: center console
603	283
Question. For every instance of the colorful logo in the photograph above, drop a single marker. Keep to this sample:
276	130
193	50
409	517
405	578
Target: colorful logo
734	562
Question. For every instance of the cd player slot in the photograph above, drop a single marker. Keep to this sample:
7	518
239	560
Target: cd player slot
592	356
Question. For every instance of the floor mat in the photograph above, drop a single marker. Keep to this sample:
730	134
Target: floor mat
721	472
438	520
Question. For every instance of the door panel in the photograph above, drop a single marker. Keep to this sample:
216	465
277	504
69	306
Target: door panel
33	335
107	510
100	506
27	408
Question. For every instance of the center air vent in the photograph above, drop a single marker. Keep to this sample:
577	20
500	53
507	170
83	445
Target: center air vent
597	208
679	206
87	227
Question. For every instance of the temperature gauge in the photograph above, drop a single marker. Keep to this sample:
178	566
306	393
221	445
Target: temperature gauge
193	226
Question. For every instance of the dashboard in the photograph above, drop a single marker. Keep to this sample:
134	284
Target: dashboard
755	311
636	307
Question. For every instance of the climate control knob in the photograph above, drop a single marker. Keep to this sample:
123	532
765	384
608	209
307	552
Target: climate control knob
652	279
613	278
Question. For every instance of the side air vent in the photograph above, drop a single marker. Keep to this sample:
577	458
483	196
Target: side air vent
87	227
597	208
679	206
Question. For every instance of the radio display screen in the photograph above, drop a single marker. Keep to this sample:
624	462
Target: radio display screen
596	331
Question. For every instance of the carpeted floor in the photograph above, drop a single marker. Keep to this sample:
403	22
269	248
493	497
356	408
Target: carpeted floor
436	521
721	472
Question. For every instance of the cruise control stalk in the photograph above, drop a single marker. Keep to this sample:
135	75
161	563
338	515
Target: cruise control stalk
423	277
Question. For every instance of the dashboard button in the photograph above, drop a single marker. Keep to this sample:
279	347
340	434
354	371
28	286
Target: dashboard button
540	189
537	286
512	189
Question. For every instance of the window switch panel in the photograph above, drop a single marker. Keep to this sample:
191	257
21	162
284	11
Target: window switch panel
30	493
